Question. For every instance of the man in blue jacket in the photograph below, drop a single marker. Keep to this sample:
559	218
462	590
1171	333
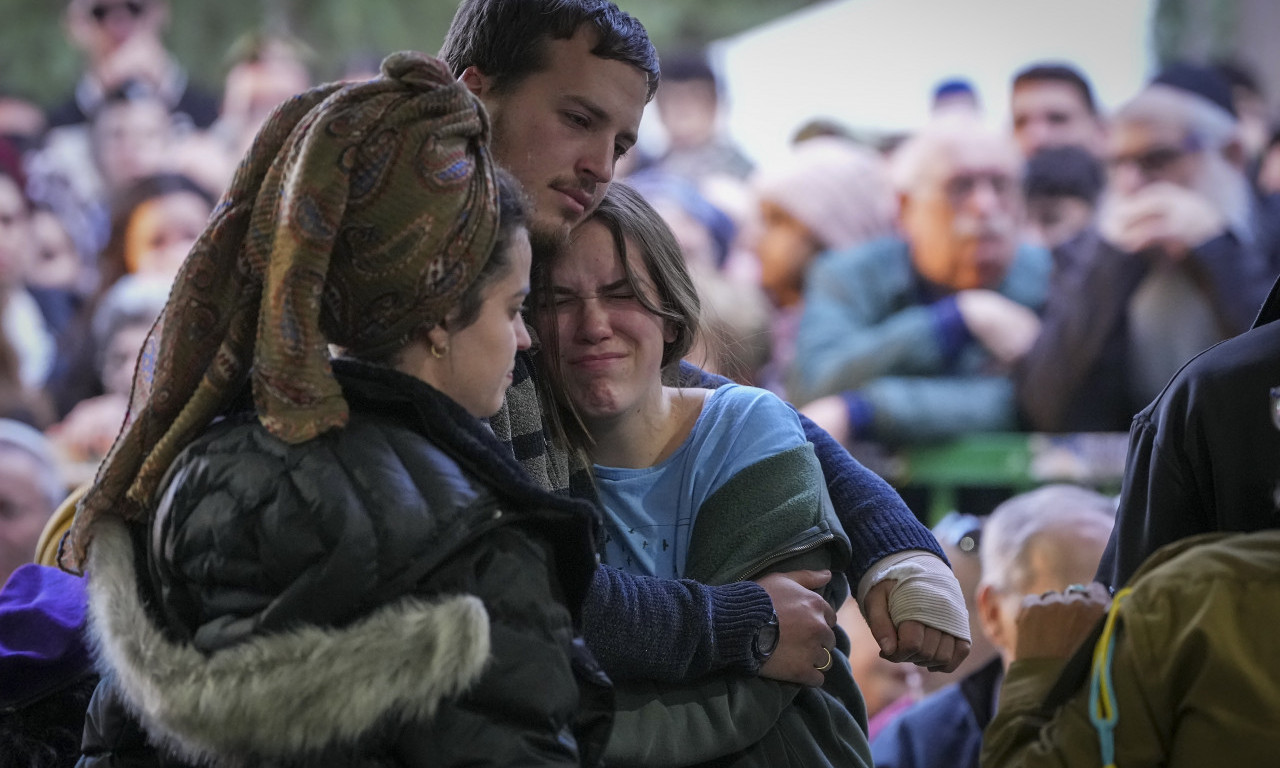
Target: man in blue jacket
906	340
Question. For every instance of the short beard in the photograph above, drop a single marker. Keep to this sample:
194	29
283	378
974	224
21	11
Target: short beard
547	246
1228	190
547	242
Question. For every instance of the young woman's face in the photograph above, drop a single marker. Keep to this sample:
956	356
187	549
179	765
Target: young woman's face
476	368
610	345
786	248
15	233
54	262
121	356
162	231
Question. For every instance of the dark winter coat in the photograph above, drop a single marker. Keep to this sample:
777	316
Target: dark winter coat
395	592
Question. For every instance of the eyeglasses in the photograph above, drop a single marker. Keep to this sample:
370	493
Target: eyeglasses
103	11
958	188
1154	160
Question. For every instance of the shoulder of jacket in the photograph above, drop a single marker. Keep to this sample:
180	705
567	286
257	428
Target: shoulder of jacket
369	467
363	439
880	252
880	267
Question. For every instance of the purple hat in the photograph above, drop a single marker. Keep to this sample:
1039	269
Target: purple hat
42	643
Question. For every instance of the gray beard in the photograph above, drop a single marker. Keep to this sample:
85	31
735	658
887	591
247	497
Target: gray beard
1229	191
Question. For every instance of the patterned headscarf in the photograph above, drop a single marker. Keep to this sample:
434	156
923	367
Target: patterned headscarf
361	213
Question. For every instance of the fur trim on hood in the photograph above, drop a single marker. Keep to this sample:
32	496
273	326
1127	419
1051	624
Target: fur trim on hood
285	693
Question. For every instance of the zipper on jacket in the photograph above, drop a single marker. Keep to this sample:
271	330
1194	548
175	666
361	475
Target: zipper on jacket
775	557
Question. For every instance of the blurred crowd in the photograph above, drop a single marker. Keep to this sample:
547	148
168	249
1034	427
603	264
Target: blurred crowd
1048	275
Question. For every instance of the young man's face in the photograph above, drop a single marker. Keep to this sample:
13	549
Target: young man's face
1047	113
560	130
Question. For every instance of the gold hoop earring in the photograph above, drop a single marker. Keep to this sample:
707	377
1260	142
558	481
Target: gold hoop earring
438	353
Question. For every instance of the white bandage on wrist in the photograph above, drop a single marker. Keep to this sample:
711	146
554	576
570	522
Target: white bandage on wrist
926	591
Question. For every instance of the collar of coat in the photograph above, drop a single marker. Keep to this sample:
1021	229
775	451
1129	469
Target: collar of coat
573	523
281	694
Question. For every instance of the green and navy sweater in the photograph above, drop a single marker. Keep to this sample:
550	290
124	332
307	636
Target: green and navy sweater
685	628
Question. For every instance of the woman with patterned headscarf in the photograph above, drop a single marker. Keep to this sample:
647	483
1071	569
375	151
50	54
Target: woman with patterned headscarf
294	559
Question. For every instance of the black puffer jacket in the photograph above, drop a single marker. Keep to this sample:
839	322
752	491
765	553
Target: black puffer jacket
391	593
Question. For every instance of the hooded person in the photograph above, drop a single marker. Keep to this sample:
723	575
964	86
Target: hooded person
293	558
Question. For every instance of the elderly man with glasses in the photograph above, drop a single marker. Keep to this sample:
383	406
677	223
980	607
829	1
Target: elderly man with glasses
1178	260
905	340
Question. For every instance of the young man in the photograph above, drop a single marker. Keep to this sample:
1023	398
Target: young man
565	85
903	338
1052	106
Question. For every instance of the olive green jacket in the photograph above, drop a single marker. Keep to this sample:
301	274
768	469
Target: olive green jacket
1195	669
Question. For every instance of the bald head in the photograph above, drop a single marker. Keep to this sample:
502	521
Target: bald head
1039	541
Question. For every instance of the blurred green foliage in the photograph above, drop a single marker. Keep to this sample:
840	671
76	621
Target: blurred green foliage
1196	27
37	61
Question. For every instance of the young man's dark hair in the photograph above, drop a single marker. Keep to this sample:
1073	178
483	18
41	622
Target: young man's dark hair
505	39
1058	73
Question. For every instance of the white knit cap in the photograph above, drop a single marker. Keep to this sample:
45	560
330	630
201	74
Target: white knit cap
836	188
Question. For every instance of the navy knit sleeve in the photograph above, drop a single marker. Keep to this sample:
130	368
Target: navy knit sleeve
640	627
876	519
952	332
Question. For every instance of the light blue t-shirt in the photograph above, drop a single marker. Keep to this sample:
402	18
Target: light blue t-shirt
649	512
